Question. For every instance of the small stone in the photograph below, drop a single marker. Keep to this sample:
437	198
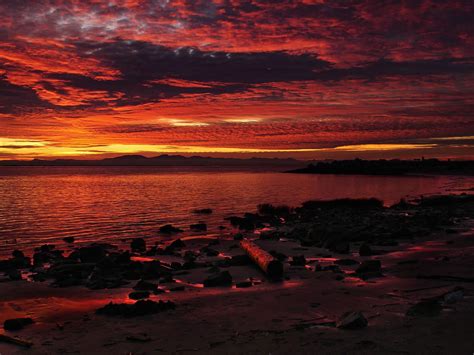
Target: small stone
299	260
138	244
425	308
138	295
17	323
244	284
169	229
222	278
365	250
352	320
68	240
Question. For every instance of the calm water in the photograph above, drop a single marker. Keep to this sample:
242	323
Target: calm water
43	205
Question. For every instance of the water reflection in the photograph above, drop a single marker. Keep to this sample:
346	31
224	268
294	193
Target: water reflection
43	205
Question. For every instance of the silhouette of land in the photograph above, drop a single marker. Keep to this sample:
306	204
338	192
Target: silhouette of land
390	167
162	160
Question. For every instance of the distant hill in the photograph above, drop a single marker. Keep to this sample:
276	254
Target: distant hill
162	160
389	167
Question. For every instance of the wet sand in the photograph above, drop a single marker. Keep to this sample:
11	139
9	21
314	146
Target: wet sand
292	316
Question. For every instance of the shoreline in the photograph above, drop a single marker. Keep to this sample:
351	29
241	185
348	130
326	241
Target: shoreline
296	314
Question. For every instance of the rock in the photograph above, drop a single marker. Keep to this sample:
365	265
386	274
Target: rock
92	254
203	211
425	308
365	250
369	268
143	285
299	260
222	278
198	227
352	320
138	295
14	275
175	244
209	251
18	254
138	244
346	262
68	239
169	229
238	236
139	308
277	255
244	284
453	296
17	323
177	288
341	247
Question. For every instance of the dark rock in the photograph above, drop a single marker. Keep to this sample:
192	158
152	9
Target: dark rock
352	320
175	244
341	247
369	266
14	275
277	255
138	244
365	250
169	229
18	254
143	285
222	278
238	236
346	262
138	295
453	296
203	211
198	227
299	260
425	308
209	251
68	239
17	323
139	308
177	288
244	284
92	254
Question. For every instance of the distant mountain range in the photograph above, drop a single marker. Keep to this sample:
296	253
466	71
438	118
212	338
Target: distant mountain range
162	160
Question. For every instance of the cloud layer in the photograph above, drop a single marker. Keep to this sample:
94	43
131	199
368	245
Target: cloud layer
235	76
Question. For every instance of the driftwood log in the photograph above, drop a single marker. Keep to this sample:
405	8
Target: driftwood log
265	261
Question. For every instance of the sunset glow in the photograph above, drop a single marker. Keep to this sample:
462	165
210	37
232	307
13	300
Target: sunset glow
304	79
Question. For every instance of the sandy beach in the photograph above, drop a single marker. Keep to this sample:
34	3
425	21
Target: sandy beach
300	313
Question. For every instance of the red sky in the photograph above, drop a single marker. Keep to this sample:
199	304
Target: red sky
307	79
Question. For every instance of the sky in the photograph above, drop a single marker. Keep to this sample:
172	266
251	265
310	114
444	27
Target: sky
309	79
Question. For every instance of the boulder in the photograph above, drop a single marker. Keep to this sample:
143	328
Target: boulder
92	254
